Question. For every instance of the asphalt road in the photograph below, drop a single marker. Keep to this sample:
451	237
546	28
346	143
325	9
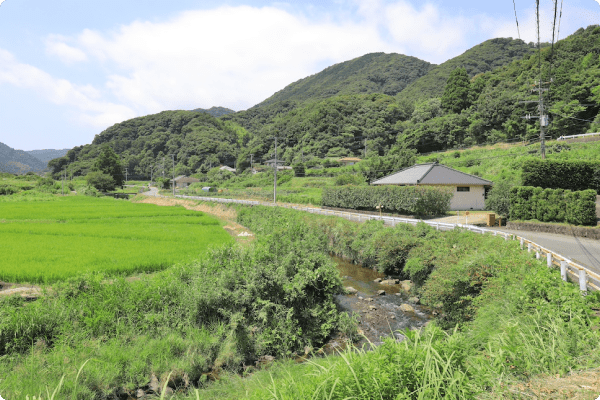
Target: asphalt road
581	250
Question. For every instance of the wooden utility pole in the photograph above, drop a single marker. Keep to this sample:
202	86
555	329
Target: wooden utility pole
275	176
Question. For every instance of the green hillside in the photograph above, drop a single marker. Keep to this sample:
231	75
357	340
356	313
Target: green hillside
495	112
197	140
215	111
484	57
371	73
18	161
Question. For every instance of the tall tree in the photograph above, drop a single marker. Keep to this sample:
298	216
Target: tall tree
456	94
108	163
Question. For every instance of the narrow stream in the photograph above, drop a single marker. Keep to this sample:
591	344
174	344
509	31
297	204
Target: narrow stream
379	315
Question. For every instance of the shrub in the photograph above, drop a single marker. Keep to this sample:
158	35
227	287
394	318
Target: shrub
299	170
498	198
349	179
553	205
418	200
7	190
101	181
562	174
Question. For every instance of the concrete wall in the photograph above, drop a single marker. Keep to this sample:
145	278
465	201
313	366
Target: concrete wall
474	199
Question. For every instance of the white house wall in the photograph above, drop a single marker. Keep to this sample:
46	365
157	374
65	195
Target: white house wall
474	199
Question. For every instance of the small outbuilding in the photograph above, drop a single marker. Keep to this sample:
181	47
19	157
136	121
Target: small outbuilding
280	164
183	181
226	168
469	190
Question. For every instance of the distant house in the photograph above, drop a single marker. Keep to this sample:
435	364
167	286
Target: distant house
271	163
226	168
183	181
349	160
468	190
280	164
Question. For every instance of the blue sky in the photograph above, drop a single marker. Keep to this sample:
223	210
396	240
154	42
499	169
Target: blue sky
70	69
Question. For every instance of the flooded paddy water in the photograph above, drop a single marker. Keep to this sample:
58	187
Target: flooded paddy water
379	315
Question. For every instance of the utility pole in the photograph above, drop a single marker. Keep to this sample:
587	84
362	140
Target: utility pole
125	175
543	117
275	176
251	163
173	157
365	147
63	175
163	166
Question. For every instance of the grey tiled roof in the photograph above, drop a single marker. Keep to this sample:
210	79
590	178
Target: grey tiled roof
431	174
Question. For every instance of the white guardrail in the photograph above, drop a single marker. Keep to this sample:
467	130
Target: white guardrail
585	277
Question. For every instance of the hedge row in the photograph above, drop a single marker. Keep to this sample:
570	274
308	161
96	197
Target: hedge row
553	205
560	174
416	200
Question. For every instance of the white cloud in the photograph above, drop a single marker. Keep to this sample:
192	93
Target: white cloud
98	113
426	30
229	56
55	46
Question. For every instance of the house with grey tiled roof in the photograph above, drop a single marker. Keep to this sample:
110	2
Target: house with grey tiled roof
183	181
468	190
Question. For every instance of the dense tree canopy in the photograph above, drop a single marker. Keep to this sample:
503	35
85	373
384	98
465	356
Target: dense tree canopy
457	94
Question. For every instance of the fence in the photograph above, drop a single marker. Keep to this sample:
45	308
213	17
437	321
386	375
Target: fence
585	277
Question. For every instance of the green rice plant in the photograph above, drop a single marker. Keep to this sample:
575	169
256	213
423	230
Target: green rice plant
50	241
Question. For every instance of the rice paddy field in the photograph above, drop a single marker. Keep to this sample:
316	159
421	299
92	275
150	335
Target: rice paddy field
52	239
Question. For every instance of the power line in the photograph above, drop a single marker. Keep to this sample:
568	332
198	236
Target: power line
559	18
516	19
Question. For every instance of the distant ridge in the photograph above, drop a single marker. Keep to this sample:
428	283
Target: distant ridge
372	73
46	155
215	111
19	161
484	57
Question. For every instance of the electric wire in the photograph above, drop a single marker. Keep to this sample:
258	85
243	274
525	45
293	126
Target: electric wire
516	19
559	18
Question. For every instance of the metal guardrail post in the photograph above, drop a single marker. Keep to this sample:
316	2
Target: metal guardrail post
549	260
563	270
521	243
529	247
582	280
537	255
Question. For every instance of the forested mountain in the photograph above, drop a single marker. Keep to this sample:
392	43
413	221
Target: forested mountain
472	99
484	57
197	140
372	73
18	161
215	111
46	155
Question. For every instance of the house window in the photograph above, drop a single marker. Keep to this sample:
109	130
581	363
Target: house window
462	188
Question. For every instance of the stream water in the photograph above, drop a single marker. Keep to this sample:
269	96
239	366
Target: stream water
379	315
